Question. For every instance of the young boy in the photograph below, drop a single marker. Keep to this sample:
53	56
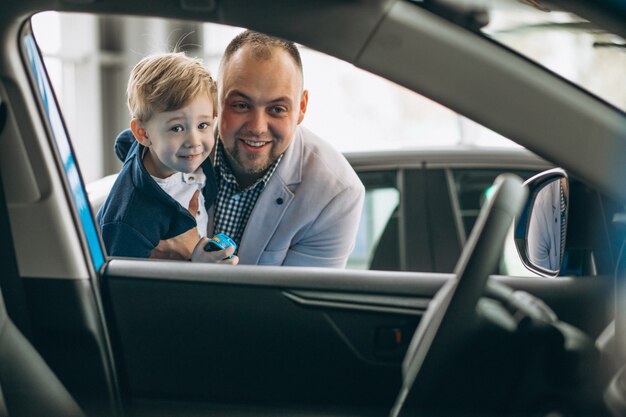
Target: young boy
167	183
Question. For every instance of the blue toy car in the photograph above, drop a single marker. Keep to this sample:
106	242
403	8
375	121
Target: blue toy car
220	242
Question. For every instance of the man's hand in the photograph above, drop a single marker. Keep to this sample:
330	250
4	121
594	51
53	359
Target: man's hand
220	257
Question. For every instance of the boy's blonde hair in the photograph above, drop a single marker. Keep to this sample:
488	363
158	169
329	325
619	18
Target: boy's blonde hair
167	82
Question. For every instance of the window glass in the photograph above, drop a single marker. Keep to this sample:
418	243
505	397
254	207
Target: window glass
89	59
472	186
564	43
65	151
381	203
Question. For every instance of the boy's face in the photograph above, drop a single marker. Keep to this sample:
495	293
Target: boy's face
178	140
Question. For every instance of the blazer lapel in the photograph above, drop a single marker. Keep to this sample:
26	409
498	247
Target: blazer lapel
264	219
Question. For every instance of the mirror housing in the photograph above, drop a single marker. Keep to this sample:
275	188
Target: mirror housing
542	226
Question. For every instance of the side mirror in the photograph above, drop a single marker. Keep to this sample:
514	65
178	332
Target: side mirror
542	226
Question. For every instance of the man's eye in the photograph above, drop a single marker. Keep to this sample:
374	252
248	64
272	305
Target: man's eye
241	106
278	110
177	129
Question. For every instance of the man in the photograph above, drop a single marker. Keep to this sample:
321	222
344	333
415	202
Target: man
284	195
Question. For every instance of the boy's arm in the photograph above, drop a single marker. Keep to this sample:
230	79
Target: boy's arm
120	239
179	247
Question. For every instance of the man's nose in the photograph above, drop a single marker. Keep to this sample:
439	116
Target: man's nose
257	124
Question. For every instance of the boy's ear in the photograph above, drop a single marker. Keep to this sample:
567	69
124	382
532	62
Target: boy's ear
139	131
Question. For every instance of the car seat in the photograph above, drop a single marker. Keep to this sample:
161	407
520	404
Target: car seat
27	385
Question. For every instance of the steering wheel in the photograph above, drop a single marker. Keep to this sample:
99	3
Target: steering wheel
451	312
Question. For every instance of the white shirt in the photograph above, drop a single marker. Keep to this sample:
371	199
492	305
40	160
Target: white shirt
181	187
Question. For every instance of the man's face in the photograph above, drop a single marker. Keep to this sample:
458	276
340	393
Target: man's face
179	140
262	102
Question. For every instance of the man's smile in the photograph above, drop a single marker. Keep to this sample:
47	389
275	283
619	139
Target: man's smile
254	144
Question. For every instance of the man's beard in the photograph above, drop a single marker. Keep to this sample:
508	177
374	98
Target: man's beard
243	164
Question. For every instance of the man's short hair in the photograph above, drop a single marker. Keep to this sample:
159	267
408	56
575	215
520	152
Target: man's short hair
167	82
261	45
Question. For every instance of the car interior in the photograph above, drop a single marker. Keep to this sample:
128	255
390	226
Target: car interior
435	326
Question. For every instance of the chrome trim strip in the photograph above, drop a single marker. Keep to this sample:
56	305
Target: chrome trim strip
325	300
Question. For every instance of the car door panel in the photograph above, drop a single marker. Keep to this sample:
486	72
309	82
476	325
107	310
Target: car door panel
268	335
255	339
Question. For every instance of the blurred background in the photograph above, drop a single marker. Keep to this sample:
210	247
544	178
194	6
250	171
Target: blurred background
89	60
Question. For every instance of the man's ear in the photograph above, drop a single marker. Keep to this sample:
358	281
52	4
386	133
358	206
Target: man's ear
304	100
139	131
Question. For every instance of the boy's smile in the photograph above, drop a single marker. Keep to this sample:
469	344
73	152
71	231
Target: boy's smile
178	140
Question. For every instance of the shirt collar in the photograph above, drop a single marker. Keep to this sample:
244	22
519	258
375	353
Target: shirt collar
196	177
223	170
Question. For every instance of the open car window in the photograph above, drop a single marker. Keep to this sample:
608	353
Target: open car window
358	113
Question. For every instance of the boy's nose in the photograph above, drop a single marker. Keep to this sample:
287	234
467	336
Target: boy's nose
193	139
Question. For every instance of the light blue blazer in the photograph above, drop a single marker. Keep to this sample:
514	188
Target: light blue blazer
309	211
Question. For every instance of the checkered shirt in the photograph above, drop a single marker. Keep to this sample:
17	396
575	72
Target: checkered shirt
233	206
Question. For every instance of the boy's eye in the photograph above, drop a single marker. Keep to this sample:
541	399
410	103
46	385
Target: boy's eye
176	129
204	125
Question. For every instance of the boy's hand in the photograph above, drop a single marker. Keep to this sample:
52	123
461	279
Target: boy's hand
178	247
182	246
220	256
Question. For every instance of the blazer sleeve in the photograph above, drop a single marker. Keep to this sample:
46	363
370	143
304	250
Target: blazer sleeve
331	238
